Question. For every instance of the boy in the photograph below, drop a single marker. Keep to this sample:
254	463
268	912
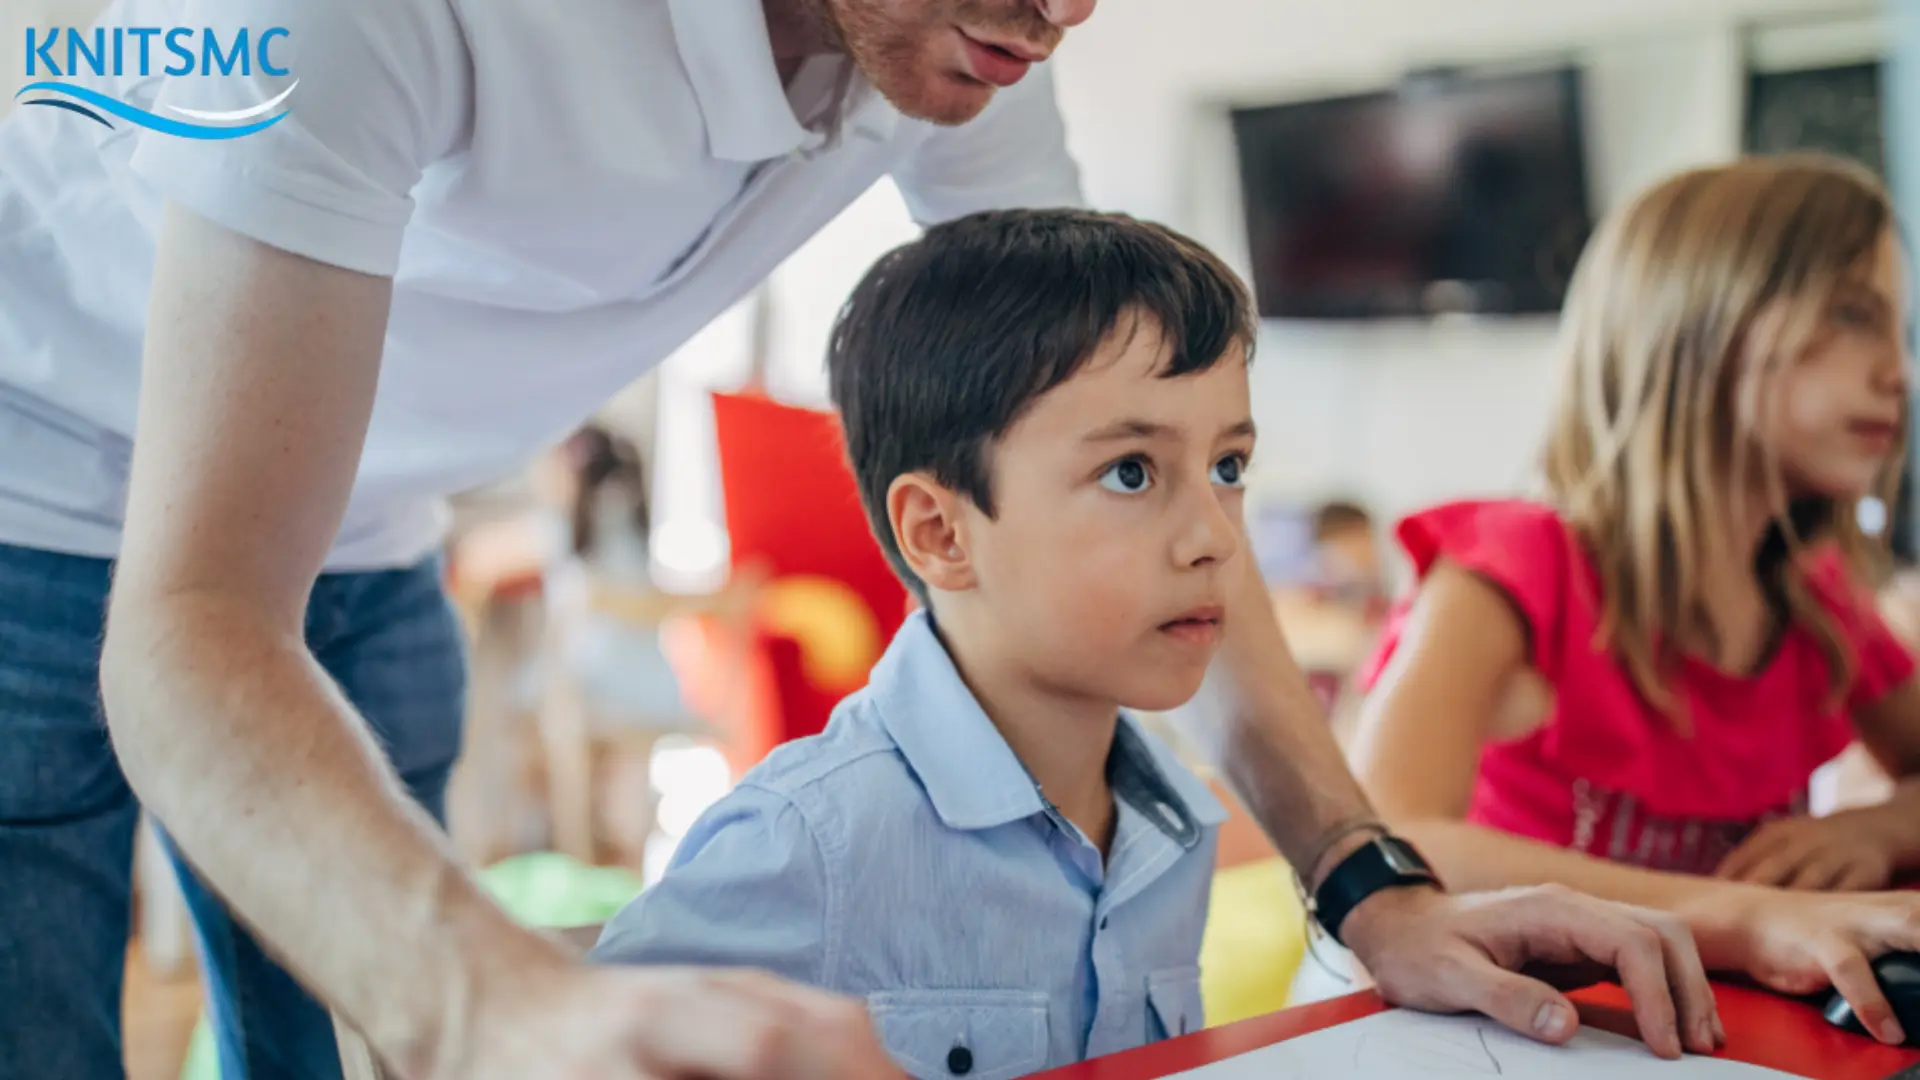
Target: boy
1047	413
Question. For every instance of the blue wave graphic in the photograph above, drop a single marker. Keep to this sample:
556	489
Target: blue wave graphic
72	107
151	121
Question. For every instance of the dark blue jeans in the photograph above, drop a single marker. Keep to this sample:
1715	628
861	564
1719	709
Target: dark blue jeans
391	642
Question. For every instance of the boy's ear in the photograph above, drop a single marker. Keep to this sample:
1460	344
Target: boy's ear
930	531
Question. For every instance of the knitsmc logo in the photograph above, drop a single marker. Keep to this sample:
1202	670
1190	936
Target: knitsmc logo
140	51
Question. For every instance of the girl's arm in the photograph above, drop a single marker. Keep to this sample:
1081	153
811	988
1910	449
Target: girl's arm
1876	842
1421	732
1890	732
1461	654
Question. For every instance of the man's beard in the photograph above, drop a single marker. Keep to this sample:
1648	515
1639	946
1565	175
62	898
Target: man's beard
891	55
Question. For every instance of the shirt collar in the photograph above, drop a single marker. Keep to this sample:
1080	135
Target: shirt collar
974	779
868	113
1144	772
728	54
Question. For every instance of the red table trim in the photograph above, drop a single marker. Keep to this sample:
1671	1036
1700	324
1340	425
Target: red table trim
1761	1030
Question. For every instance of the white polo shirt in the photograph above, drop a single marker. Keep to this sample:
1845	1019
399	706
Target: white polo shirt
563	194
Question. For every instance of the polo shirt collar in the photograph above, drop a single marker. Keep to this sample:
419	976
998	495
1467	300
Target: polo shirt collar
728	54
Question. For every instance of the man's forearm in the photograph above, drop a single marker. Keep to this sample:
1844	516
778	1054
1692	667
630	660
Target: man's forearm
1472	858
275	791
1278	751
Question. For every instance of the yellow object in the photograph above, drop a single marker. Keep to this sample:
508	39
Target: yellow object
838	635
1254	942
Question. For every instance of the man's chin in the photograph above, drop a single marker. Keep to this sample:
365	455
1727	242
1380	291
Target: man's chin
948	101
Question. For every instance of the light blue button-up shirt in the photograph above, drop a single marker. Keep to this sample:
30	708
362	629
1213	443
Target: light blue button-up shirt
905	856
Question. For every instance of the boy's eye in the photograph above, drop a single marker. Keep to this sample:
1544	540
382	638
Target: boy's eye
1229	470
1128	477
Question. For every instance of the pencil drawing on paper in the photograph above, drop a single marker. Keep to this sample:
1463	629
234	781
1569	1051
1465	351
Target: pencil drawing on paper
1457	1051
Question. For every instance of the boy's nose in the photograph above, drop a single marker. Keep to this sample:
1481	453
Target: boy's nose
1210	535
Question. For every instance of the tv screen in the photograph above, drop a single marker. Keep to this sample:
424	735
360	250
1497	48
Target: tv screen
1451	193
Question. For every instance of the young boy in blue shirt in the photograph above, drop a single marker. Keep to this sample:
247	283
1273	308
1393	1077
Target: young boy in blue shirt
1047	412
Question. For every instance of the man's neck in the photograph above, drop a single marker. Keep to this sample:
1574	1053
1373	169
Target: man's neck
1063	740
799	29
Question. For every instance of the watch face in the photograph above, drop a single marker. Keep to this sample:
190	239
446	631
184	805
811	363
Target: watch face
1400	858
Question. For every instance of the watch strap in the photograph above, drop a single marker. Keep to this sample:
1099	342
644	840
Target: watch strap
1385	862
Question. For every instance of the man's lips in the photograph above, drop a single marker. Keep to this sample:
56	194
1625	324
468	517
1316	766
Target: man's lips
1000	64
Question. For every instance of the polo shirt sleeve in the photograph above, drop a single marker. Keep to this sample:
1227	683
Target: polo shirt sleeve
746	888
1012	156
380	90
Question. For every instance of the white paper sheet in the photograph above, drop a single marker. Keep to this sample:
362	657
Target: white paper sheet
1401	1045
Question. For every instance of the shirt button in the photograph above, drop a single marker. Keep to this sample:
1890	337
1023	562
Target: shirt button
959	1061
1103	922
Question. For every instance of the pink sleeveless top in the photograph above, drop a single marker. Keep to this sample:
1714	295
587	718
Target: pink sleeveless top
1608	774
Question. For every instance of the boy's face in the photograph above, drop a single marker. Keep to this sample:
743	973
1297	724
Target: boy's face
1105	569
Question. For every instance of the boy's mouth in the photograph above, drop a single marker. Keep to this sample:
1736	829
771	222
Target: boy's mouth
1201	626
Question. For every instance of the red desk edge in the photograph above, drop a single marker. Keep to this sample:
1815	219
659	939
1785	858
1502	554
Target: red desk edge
1762	1029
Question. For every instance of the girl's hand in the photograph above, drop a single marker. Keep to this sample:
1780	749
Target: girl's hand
1853	851
1798	944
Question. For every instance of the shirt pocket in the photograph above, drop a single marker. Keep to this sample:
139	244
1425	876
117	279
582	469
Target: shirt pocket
977	1034
1174	1005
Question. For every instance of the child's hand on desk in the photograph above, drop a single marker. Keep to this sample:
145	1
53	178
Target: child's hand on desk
1797	943
1854	851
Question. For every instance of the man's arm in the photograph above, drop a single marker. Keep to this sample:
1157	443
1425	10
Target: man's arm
257	387
1280	755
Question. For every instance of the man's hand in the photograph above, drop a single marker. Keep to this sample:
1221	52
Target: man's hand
632	1023
1799	943
1447	954
1854	851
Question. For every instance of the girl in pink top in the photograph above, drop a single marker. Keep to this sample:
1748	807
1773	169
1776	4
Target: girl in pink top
1625	687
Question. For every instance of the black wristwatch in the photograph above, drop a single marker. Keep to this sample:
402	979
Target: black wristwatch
1385	862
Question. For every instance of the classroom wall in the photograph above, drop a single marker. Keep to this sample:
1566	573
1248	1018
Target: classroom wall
1405	413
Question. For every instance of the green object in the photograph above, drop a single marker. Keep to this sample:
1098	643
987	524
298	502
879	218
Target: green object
549	890
541	889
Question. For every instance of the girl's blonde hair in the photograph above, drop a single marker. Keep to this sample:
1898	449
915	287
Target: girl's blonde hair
1682	306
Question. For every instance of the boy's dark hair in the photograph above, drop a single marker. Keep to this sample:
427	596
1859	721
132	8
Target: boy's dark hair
949	339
